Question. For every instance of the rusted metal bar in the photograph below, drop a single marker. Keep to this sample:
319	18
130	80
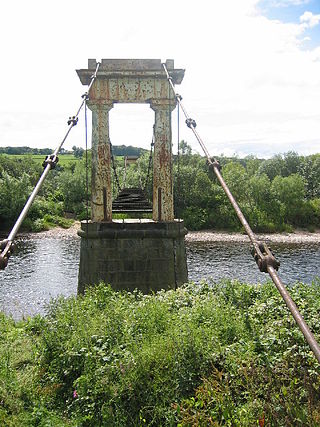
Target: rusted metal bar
73	121
124	179
262	254
235	205
115	174
6	252
105	210
159	204
149	165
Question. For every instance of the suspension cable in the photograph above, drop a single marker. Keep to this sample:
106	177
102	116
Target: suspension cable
124	179
263	256
178	207
149	163
50	162
87	170
115	174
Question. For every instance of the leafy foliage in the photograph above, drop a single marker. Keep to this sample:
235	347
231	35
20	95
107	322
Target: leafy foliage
218	354
277	194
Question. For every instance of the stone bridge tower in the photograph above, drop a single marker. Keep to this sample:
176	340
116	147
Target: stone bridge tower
134	253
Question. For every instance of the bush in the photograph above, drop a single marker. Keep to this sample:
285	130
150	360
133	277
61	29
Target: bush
13	196
224	354
195	218
227	354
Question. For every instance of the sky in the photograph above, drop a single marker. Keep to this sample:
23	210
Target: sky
252	79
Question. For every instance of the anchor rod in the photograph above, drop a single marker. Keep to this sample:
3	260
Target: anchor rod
262	254
6	246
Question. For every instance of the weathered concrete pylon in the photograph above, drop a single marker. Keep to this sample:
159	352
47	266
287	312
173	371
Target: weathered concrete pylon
146	254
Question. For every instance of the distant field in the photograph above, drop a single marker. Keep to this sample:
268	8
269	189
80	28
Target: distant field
63	158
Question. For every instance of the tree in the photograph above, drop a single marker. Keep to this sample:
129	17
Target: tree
272	167
289	192
185	148
252	164
292	163
77	152
13	196
236	178
310	171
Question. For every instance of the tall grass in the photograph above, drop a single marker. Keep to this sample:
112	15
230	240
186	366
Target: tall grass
224	354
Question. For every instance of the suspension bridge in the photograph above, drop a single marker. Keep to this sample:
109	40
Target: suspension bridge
147	254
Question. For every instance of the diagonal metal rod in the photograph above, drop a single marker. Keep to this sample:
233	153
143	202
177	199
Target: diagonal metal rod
267	259
7	245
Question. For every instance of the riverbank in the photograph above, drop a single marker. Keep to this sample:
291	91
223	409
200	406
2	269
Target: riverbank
298	236
223	236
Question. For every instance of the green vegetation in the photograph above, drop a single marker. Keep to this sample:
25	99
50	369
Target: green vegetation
127	150
62	194
278	194
25	150
227	354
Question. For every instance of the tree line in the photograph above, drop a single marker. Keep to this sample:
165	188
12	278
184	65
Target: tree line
118	150
276	194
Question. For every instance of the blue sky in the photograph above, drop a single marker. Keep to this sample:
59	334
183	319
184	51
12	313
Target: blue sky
252	78
291	11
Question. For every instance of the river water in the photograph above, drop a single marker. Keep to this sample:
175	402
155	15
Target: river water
44	268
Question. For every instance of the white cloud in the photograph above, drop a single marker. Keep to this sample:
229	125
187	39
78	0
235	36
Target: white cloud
309	20
315	54
247	78
287	3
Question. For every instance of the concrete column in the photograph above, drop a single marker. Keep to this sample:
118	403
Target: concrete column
101	193
162	161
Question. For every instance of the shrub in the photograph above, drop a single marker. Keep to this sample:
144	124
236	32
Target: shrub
225	354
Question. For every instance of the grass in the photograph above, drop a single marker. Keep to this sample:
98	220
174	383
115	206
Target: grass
228	354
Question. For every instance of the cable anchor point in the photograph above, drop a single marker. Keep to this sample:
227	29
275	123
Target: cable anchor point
213	163
73	120
264	257
191	123
6	250
51	160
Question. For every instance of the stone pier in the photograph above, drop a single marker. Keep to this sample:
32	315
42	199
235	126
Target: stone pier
132	254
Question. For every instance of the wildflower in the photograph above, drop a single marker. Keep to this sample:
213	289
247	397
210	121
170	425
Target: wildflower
75	394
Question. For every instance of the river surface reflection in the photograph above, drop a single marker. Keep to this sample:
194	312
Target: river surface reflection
219	260
43	268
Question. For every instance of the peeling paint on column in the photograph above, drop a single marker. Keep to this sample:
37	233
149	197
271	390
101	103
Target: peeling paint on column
101	194
162	161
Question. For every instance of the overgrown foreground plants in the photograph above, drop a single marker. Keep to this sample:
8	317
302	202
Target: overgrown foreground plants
227	354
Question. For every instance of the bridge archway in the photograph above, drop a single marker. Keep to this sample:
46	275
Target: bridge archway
131	81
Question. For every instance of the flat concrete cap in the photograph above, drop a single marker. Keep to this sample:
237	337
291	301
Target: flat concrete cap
134	68
131	64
